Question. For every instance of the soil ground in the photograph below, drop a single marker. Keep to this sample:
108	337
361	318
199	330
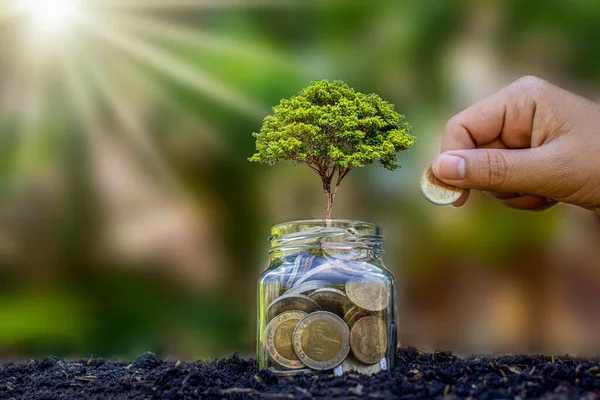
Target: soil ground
416	376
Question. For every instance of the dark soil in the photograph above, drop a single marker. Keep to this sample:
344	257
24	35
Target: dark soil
416	376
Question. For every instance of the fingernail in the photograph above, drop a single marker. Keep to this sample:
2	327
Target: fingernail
449	167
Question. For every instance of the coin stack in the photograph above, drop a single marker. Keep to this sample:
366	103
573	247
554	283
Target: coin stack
327	315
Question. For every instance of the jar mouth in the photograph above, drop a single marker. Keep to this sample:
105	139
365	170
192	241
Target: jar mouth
337	236
361	227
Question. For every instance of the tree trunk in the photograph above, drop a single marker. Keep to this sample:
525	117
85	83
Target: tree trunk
329	210
330	196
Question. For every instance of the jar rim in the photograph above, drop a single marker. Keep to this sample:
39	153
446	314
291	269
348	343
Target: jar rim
361	226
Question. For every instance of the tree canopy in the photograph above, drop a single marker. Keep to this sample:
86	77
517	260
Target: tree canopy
332	129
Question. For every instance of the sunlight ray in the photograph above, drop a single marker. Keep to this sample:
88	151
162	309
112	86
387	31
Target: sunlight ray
22	77
85	109
131	124
177	69
142	83
178	33
31	93
128	74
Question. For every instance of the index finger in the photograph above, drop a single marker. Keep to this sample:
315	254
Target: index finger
506	115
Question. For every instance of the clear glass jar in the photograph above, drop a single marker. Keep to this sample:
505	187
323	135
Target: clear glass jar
326	301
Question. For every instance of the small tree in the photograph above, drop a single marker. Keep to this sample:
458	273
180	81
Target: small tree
332	129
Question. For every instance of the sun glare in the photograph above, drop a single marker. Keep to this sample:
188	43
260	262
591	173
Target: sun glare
73	47
47	15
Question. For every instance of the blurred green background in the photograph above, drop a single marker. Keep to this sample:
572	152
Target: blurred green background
131	220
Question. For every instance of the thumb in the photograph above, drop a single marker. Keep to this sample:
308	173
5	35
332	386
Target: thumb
523	170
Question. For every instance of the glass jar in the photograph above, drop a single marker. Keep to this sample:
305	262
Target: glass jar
326	301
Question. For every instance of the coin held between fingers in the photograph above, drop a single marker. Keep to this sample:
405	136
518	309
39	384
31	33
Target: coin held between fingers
436	191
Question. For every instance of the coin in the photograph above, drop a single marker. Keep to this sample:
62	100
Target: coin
290	302
307	287
436	191
278	335
329	299
369	339
370	294
321	340
355	313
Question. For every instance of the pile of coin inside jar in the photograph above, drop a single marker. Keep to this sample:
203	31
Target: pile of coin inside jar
328	314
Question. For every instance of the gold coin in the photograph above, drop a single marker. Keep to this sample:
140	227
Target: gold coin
355	313
278	335
330	299
321	340
436	191
290	302
370	294
369	339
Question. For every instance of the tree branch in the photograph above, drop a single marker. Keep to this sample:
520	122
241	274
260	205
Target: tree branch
331	174
311	166
321	166
342	174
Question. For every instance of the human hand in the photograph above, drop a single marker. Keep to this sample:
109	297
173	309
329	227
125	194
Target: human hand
529	145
